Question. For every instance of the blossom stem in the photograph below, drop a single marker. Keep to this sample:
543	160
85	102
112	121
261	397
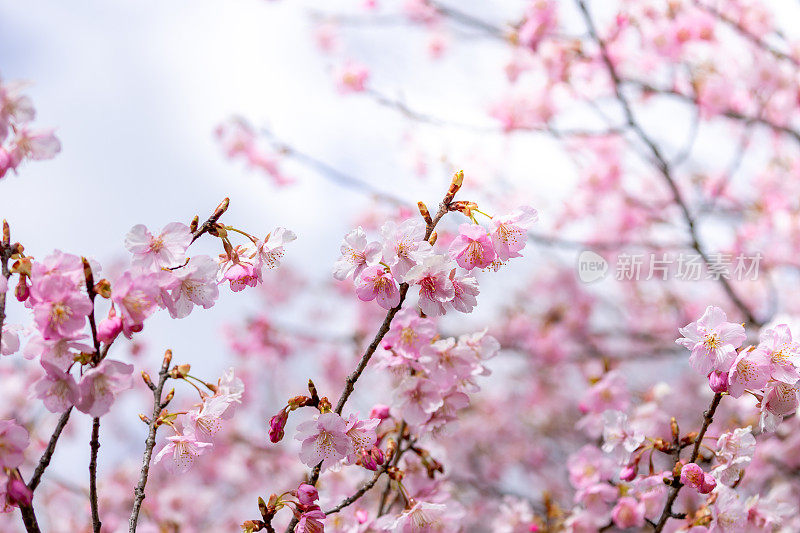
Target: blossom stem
150	442
708	417
94	446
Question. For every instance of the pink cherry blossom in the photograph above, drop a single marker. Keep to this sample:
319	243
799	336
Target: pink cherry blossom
60	310
10	341
780	399
270	251
230	390
356	255
693	476
404	245
180	451
34	144
352	77
206	420
409	333
13	441
197	286
362	436
782	352
165	250
750	370
57	352
241	275
465	292
620	438
56	388
628	513
100	385
135	297
473	247
422	517
713	341
510	232
17	493
310	522
377	283
418	399
735	450
324	440
435	286
307	494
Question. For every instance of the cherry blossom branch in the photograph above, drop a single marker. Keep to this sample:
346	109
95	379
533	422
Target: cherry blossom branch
150	442
208	225
660	162
94	446
708	417
6	251
351	380
393	462
358	494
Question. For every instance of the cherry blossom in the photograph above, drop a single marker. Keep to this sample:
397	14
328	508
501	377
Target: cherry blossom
509	232
180	451
376	283
13	441
100	385
435	286
165	250
56	388
404	245
198	286
356	255
473	247
324	440
712	340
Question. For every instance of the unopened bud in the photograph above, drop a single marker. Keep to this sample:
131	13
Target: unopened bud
18	493
426	215
167	358
395	473
103	288
455	185
219	230
312	390
433	238
144	419
324	405
298	401
6	233
169	397
193	225
367	460
251	526
262	508
673	426
222	207
277	424
689	438
147	380
181	371
463	207
22	291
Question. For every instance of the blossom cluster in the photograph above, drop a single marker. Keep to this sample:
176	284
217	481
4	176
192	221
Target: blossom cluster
445	280
18	141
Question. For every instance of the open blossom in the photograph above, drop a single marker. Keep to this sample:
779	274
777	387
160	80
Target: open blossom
750	370
59	353
693	476
56	388
356	255
10	341
135	299
60	309
628	513
782	352
422	517
324	440
13	441
180	451
165	250
362	435
713	341
418	399
465	292
197	286
435	287
404	245
270	251
473	247
376	283
734	452
310	522
409	333
619	437
100	385
15	107
352	77
230	389
510	232
242	274
728	512
780	399
206	420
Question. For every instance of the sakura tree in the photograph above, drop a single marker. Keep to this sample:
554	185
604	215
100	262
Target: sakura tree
592	328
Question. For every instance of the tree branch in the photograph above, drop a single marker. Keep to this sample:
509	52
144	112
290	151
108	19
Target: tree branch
94	445
150	442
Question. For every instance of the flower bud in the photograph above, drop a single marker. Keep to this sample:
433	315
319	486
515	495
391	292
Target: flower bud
108	329
718	381
276	426
629	472
307	494
22	292
380	411
367	460
18	493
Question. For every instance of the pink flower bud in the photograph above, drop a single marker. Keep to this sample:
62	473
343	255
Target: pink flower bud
718	381
307	494
693	476
108	329
277	424
708	485
379	411
368	461
629	472
18	493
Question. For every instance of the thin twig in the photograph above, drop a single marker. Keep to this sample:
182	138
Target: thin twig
708	417
661	163
358	494
94	446
150	442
